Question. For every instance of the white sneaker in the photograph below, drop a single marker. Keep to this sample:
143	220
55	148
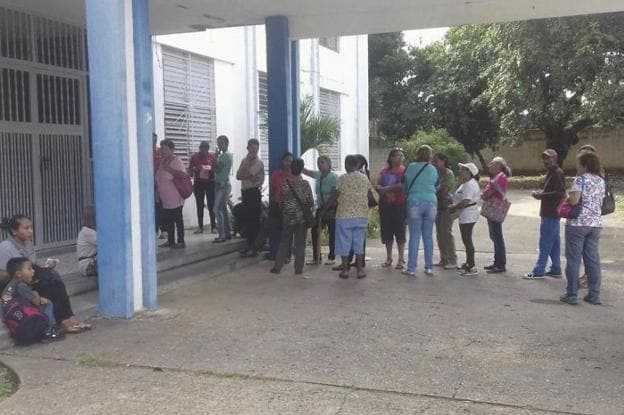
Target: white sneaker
470	272
330	262
428	271
409	273
450	266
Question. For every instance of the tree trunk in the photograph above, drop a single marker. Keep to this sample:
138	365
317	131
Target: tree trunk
481	160
561	140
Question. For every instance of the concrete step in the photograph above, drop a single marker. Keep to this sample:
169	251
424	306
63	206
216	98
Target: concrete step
174	267
168	259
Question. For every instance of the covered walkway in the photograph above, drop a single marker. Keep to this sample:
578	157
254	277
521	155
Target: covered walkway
119	57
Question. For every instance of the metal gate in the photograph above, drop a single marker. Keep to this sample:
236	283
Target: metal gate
44	152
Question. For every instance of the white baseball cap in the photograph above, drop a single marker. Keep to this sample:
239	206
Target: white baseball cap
472	168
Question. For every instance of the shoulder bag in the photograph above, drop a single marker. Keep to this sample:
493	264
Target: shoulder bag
608	202
495	209
567	211
184	185
309	220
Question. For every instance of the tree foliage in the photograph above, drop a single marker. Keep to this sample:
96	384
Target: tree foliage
440	141
557	75
316	129
483	82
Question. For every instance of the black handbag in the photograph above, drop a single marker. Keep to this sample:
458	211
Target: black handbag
608	202
309	219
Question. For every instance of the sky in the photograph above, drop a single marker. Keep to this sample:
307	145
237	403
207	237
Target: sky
423	37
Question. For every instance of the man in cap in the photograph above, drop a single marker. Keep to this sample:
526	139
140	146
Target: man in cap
550	197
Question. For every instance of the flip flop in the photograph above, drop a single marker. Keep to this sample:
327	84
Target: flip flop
400	266
387	264
74	329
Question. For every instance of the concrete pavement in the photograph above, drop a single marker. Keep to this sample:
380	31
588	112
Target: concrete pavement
250	342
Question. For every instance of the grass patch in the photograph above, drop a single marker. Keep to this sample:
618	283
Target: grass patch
8	382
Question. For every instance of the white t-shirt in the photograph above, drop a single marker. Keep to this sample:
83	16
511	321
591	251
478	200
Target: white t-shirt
471	191
86	247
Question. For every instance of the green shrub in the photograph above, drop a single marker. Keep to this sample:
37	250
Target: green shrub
440	141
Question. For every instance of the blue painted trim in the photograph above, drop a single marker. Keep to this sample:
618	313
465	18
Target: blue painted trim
294	77
109	125
145	128
279	89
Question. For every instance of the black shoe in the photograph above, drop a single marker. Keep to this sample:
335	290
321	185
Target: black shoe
592	300
463	267
554	274
274	271
268	257
569	299
489	267
53	335
496	270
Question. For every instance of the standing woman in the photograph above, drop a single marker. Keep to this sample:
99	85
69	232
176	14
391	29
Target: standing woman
352	194
274	225
497	187
170	167
582	235
392	207
296	203
420	183
325	186
201	168
444	220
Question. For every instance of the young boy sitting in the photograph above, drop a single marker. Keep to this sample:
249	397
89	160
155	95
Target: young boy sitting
28	316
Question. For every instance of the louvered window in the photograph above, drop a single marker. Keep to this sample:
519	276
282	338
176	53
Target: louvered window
263	113
330	106
190	114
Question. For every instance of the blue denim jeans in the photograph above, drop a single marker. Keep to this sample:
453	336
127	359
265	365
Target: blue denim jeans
222	192
420	219
496	236
549	246
582	242
48	310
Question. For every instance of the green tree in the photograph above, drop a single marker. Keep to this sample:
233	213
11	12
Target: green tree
316	129
440	141
390	103
557	75
457	88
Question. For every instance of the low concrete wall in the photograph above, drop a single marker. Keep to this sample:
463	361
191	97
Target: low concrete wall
525	158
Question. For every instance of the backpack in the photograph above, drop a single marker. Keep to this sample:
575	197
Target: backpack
26	323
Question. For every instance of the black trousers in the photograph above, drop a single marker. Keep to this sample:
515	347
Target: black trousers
331	229
204	190
50	285
466	234
172	219
252	209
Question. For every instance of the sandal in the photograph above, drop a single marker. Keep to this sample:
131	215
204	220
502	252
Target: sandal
74	329
400	265
387	264
361	275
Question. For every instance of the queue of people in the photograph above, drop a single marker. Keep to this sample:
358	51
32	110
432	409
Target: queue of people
36	307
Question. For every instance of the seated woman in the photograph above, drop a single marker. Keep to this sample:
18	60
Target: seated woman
86	244
48	283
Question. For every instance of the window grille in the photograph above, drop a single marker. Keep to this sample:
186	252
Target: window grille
263	114
330	107
14	95
190	112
